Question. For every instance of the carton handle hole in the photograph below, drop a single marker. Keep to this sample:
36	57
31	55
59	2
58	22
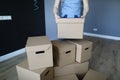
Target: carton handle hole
86	48
68	52
46	73
40	52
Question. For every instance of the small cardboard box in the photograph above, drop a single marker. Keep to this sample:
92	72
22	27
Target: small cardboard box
39	74
39	52
67	77
83	50
75	68
93	75
63	52
70	28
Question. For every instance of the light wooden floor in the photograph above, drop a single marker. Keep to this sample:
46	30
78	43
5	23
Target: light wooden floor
105	59
8	69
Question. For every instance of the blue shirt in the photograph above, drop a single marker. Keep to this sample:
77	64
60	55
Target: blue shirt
71	8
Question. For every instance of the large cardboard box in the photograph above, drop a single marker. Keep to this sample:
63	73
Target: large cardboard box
39	52
93	75
67	77
24	73
75	68
83	50
64	52
70	28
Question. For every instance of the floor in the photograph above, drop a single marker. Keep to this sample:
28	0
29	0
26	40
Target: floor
105	59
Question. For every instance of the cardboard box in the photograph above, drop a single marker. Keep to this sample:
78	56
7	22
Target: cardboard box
39	52
93	75
67	77
83	50
24	73
63	52
70	28
75	68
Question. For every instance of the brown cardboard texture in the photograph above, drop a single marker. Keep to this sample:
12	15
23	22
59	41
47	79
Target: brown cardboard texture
93	75
70	28
39	74
67	77
39	52
83	50
63	52
75	68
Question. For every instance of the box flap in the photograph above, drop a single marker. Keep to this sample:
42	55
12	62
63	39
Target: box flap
81	41
25	66
67	77
38	49
70	20
76	68
37	41
93	75
84	43
63	45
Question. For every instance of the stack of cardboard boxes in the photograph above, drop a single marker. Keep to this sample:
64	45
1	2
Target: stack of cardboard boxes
59	59
71	56
39	63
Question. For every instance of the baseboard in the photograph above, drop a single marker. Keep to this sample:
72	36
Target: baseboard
12	54
102	36
21	51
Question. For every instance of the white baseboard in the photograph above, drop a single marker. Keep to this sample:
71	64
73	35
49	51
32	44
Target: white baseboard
102	36
12	54
21	51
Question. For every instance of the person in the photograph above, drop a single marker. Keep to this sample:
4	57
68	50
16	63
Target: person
72	8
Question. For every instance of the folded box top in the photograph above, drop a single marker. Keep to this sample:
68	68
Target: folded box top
37	40
81	42
24	65
94	75
70	20
67	77
63	45
38	43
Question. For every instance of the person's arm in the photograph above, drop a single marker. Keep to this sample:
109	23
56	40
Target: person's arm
55	9
85	8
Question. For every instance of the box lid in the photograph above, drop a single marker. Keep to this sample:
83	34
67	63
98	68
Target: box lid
25	66
70	20
38	41
63	45
67	77
81	42
93	75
